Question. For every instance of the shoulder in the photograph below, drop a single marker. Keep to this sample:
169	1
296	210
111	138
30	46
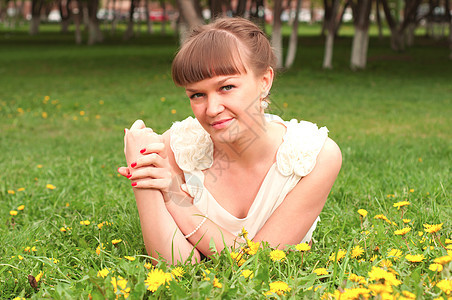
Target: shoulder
191	145
301	147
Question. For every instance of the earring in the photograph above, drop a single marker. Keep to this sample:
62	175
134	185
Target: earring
264	104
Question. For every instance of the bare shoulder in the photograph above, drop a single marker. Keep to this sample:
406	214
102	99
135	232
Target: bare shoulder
329	158
169	152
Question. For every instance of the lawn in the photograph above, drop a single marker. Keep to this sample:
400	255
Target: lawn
68	220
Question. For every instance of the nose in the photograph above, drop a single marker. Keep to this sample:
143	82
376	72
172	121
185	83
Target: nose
214	105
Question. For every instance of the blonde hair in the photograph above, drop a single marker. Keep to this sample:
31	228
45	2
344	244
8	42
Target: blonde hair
226	46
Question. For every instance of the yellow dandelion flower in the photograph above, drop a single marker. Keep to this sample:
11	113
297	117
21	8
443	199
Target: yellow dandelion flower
449	247
357	251
340	255
178	272
443	260
277	255
408	296
97	117
285	104
436	267
39	276
62	229
303	247
13	212
85	222
411	190
236	256
20	110
173	111
402	231
401	204
148	265
116	241
39	166
216	283
131	258
103	273
383	217
162	99
11	192
20	257
382	276
21	189
432	228
247	274
252	247
46	98
406	221
101	102
278	287
21	207
448	241
44	115
356	278
420	233
362	212
445	285
415	258
244	233
50	186
155	279
320	271
82	113
355	293
385	263
395	253
100	225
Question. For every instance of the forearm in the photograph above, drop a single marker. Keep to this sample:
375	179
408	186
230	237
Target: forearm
188	217
160	232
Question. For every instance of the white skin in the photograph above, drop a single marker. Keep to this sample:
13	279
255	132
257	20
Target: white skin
220	104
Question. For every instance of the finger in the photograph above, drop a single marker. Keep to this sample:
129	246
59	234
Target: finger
149	173
153	148
124	171
159	184
152	159
138	124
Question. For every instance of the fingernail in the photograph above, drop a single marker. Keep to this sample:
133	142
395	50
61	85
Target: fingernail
134	183
128	176
133	165
124	130
143	150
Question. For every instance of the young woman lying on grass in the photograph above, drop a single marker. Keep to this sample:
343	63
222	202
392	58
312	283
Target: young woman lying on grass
232	166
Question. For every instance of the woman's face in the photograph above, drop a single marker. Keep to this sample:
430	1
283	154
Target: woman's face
228	106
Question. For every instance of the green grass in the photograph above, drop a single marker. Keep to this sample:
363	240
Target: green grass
392	122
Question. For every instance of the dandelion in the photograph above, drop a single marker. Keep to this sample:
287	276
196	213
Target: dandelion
362	212
130	258
44	115
285	104
20	110
21	189
100	225
355	293
97	117
277	255
408	295
11	192
13	212
448	241
411	190
116	241
173	111
401	204
99	248
148	265
278	287
156	278
55	260
303	247
39	276
395	253
82	113
247	274
252	247
402	231
436	267
216	283
39	166
103	273
50	186
356	278
340	255
101	102
443	260
20	257
415	258
385	263
85	222
383	217
445	285
382	276
162	99
406	221
178	272
357	251
320	271
21	207
433	228
62	229
244	233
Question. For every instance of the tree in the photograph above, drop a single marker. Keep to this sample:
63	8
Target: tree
65	12
95	35
293	40
36	7
189	17
130	24
277	34
330	26
361	19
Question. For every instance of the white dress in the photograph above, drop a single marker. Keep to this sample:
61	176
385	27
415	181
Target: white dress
296	157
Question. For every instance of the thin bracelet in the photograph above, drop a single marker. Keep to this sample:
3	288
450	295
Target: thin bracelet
197	228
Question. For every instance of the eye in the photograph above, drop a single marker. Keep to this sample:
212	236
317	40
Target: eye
227	87
196	96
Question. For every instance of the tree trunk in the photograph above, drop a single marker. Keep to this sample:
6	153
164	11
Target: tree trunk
341	18
241	8
329	42
78	21
129	31
149	22
114	21
94	33
449	20
216	9
36	7
188	18
377	12
409	34
163	6
276	34
65	12
361	38
293	41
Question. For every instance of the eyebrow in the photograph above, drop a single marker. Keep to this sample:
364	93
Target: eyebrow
218	83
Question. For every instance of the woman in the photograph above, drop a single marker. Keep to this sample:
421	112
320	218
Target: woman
232	166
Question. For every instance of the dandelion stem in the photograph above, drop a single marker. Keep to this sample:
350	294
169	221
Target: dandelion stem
439	240
403	237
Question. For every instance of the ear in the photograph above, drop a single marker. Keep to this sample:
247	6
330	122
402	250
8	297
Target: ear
267	80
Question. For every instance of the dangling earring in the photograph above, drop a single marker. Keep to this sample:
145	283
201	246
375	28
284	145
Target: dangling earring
264	104
264	101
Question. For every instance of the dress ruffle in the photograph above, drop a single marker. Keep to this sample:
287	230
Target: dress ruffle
193	147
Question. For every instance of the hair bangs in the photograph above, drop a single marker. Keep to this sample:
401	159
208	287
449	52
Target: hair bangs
212	53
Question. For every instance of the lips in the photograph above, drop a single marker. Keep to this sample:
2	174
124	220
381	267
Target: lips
222	123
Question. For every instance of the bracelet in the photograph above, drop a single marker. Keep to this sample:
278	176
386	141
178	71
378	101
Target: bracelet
197	228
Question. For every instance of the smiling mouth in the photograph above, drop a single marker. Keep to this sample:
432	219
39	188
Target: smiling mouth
222	123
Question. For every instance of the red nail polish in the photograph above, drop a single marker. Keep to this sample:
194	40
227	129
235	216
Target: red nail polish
134	183
143	150
128	176
133	165
124	130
